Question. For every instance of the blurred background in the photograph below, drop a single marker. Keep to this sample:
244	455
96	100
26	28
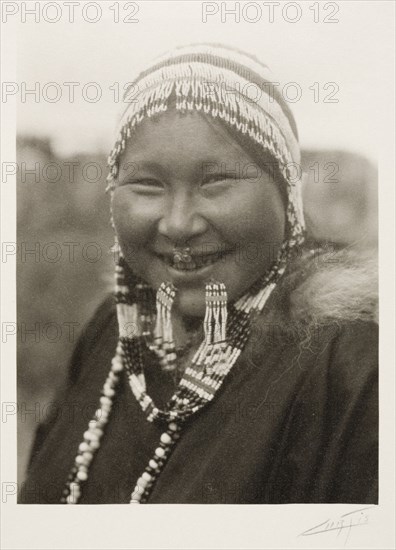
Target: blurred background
65	264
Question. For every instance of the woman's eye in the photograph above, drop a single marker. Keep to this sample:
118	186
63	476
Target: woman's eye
145	185
219	178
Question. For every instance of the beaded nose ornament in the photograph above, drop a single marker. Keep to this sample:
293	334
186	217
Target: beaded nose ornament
182	255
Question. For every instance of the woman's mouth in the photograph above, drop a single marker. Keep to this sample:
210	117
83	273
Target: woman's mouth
195	263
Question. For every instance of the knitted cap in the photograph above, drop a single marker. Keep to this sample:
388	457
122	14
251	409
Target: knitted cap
226	84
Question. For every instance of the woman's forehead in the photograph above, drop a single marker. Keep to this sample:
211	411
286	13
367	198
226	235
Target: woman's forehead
177	133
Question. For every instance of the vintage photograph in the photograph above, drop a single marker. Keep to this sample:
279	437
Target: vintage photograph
197	280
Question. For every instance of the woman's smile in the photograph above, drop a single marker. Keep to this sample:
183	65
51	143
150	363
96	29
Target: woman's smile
198	268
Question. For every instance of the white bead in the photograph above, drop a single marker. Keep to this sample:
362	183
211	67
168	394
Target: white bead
102	417
105	400
75	490
95	444
106	407
71	500
165	438
159	451
83	447
146	476
80	459
142	483
101	422
83	476
172	426
116	366
153	464
91	436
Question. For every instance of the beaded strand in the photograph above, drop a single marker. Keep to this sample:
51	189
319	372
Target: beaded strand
92	437
156	464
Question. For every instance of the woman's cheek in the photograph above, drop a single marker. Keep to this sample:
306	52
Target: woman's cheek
129	218
252	219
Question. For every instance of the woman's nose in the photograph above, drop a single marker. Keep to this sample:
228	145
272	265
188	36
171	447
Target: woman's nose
182	219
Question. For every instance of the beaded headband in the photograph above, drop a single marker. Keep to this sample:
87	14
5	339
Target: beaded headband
216	81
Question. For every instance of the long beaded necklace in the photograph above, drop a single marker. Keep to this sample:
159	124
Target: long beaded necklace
200	382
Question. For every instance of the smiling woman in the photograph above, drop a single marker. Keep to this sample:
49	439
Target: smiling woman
243	368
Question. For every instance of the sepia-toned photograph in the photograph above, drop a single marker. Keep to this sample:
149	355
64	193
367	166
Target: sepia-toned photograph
196	189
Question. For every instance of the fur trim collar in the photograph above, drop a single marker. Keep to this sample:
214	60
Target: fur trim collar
339	286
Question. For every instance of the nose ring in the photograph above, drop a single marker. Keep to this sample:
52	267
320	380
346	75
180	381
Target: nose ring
182	255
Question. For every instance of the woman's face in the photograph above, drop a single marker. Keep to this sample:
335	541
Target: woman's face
183	182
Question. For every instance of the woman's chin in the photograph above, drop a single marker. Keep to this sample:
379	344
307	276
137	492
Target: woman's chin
190	303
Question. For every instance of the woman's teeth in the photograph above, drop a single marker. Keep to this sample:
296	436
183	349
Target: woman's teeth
196	263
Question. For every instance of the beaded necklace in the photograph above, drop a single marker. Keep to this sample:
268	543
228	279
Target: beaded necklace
200	382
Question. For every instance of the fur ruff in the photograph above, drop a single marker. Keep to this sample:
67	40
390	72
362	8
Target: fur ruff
337	287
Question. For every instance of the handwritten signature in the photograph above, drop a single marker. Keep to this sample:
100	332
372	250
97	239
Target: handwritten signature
343	523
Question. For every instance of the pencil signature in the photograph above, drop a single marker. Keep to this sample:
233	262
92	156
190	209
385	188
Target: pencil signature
341	524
